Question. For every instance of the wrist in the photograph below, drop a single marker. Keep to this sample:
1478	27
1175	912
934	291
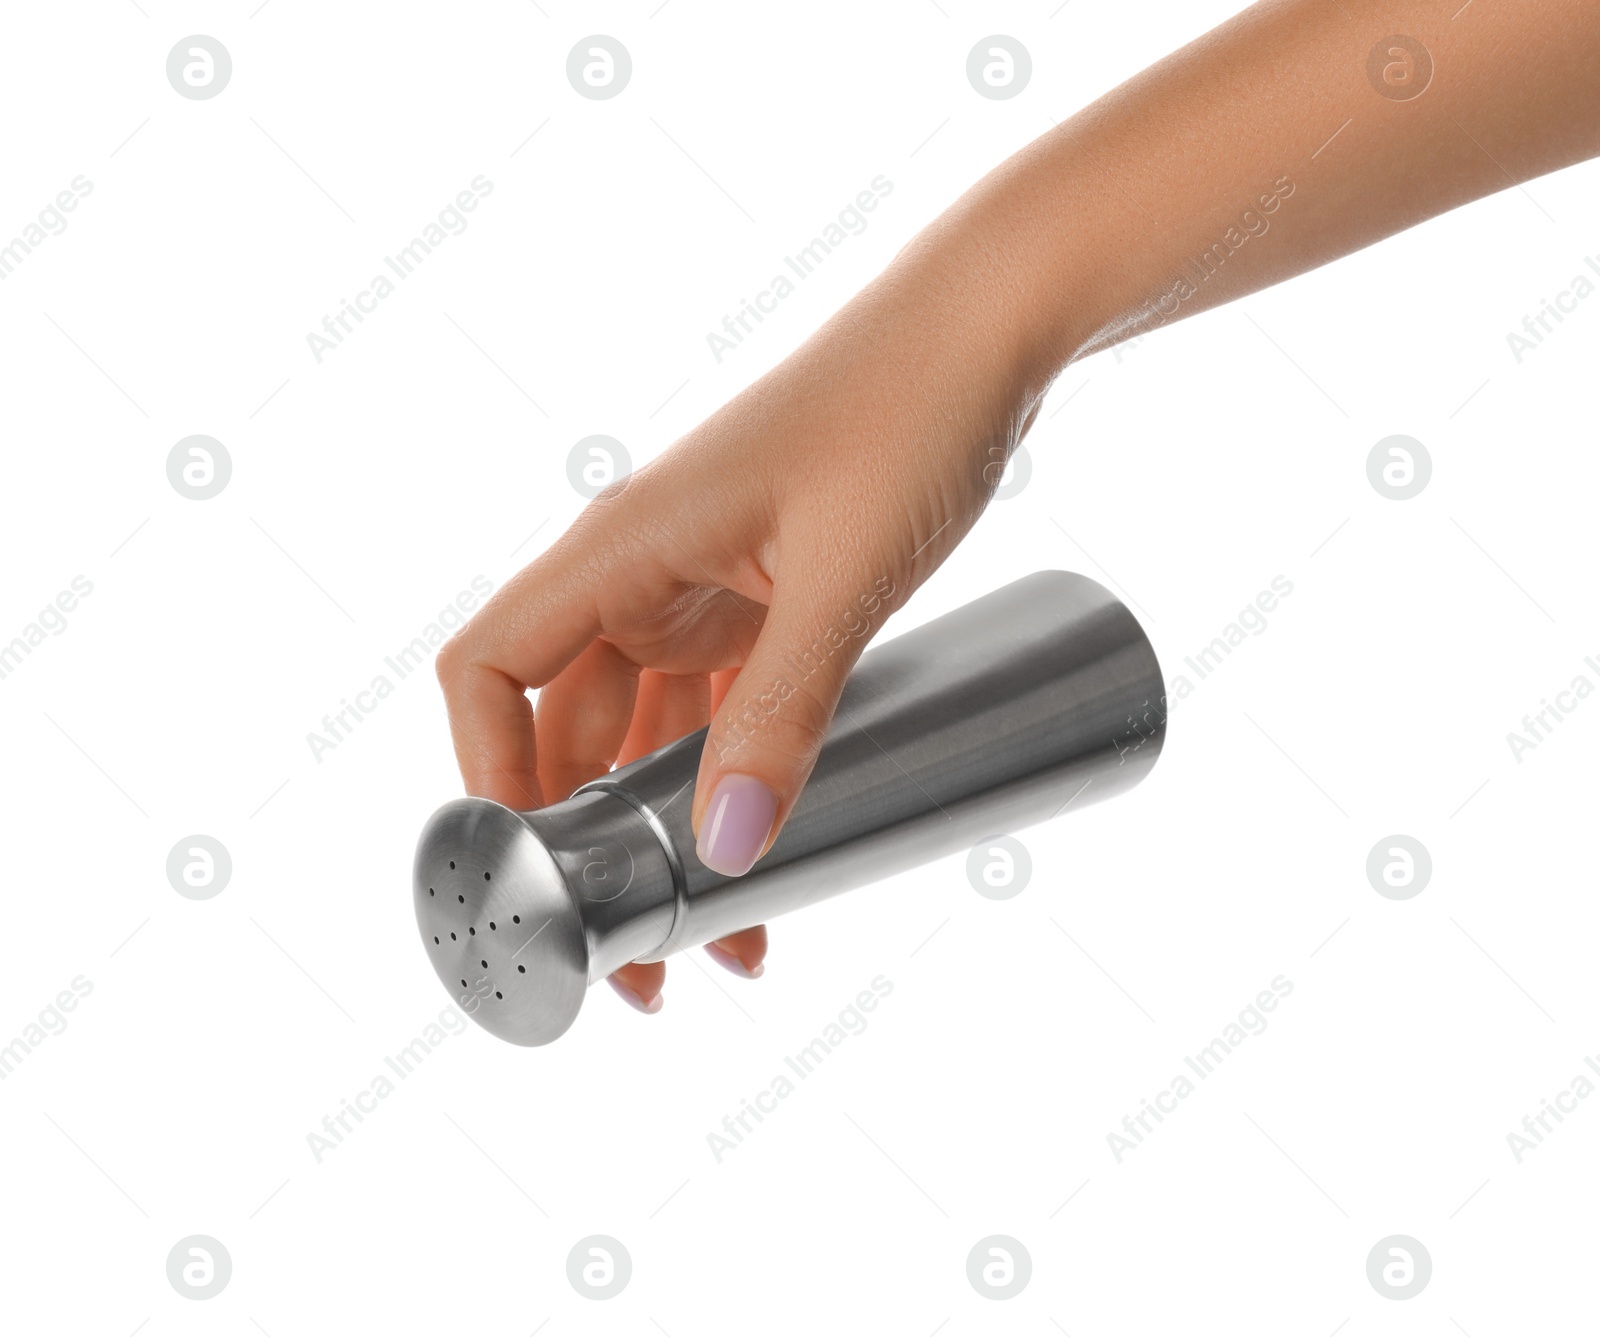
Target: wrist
1015	278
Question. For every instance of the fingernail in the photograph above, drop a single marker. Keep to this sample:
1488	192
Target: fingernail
736	825
726	959
633	1000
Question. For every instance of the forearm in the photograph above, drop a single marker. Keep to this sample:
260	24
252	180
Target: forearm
1262	150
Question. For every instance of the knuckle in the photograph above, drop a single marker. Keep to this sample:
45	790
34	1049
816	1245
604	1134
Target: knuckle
784	722
450	661
797	736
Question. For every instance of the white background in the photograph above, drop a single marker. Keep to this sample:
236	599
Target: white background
370	488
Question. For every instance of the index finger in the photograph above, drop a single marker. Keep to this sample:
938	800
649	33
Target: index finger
536	624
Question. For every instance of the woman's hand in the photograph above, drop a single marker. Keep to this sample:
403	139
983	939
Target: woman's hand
736	578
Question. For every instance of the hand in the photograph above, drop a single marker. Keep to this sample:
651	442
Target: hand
736	578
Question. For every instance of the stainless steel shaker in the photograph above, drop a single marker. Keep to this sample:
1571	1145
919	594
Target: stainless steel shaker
995	716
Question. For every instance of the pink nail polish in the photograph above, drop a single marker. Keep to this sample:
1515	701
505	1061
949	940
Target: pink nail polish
633	1000
736	824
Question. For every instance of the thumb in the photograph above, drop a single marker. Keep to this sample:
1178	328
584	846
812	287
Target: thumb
765	736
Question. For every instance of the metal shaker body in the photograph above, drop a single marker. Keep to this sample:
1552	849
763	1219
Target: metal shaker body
1039	696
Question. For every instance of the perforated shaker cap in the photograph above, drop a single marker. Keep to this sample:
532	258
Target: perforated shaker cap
499	923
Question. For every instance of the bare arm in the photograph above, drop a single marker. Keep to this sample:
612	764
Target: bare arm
1297	132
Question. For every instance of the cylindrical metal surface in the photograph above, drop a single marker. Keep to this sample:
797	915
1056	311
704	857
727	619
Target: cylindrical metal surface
985	720
1043	694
